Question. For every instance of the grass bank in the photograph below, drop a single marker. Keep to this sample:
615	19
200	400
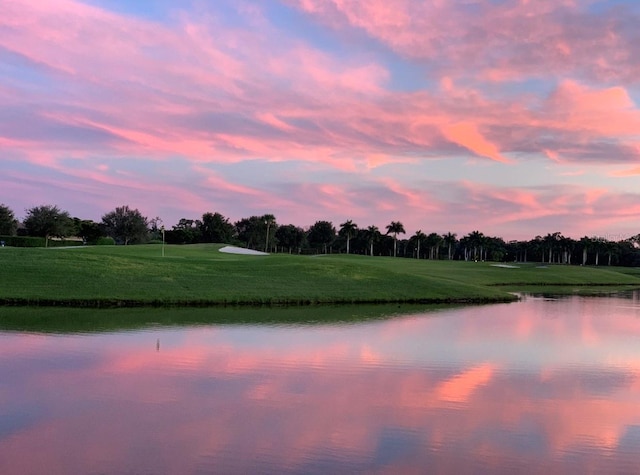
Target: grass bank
199	275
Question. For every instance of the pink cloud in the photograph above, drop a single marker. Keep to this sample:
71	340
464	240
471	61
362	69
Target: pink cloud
212	94
503	40
626	173
467	135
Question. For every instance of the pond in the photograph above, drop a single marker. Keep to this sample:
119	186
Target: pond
541	385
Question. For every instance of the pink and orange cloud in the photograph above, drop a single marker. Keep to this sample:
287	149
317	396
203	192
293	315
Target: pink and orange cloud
315	95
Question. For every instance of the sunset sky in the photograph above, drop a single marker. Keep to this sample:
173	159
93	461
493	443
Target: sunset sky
516	118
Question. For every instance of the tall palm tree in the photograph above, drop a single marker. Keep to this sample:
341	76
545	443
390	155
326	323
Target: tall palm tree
476	241
598	245
396	227
433	241
552	241
347	229
611	249
568	246
418	237
268	219
372	234
449	240
586	246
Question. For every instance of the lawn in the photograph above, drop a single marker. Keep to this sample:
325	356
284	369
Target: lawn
201	275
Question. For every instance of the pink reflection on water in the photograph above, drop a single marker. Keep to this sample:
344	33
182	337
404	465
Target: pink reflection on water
535	385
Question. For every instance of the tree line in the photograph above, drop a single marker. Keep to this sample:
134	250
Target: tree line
125	225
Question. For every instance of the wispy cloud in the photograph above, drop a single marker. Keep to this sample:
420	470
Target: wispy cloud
228	83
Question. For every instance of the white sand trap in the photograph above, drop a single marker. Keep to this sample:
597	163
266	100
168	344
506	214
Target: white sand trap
505	266
242	250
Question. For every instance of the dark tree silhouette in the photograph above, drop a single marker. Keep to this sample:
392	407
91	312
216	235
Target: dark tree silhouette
8	222
395	228
48	221
321	235
348	229
126	225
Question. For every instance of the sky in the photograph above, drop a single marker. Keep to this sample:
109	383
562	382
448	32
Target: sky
516	118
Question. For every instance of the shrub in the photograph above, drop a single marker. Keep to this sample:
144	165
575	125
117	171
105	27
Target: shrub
105	241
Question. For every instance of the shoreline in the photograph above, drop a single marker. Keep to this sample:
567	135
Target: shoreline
204	303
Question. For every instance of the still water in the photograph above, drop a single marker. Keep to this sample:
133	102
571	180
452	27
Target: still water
538	386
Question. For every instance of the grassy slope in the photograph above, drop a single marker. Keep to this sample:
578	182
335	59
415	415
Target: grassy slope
200	274
530	274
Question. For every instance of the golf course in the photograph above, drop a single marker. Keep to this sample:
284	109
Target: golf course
201	275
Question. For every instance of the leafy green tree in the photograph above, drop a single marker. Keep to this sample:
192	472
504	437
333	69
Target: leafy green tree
126	225
8	222
290	236
88	230
395	228
256	232
214	227
155	228
348	229
321	235
248	231
48	221
187	231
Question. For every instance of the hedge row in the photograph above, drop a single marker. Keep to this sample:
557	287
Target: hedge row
22	241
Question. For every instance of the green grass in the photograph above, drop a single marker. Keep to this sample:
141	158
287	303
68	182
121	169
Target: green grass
199	275
524	274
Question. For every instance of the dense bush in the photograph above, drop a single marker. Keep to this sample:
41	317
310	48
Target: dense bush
31	241
105	241
22	241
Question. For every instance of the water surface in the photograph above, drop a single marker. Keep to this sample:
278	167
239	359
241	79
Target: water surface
542	385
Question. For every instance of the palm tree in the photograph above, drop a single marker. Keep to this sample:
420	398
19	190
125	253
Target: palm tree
268	219
449	239
476	240
433	241
418	237
611	249
396	228
586	244
372	234
568	246
598	244
347	229
551	241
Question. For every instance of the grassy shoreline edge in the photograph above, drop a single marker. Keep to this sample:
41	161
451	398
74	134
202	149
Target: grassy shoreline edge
118	303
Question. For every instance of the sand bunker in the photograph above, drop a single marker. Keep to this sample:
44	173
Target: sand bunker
242	250
505	266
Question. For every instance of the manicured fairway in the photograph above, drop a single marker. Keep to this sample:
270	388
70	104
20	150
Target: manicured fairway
201	275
